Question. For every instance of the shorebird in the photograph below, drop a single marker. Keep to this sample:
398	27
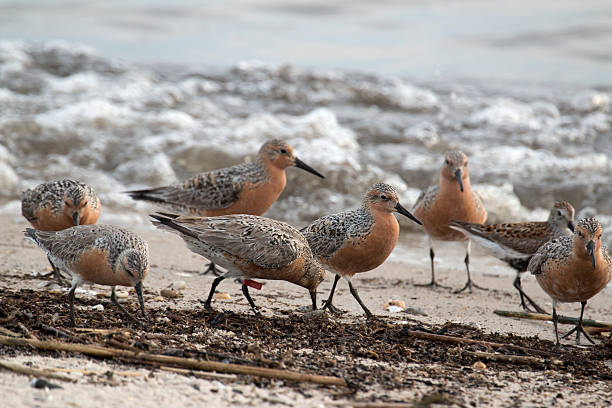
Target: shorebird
248	188
515	243
248	246
102	254
357	240
58	205
573	269
451	199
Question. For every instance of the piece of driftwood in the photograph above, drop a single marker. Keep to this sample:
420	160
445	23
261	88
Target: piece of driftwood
508	358
7	332
199	374
460	340
97	372
547	317
34	372
105	352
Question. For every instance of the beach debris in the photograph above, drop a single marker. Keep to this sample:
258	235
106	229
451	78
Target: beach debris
222	296
547	317
415	311
42	383
479	365
98	307
170	293
178	285
394	305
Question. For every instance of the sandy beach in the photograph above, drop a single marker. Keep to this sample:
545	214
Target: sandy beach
174	266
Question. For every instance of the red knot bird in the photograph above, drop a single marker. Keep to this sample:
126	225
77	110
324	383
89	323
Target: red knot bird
102	254
573	269
58	205
515	243
248	188
250	247
451	199
357	240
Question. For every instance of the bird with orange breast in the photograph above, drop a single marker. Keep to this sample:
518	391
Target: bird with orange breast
248	188
102	254
573	269
58	205
516	242
451	199
357	240
249	247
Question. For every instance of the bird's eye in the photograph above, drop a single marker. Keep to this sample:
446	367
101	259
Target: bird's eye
66	202
283	151
383	197
447	162
559	213
579	234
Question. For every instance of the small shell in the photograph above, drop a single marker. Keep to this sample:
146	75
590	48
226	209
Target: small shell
395	306
170	293
222	296
479	365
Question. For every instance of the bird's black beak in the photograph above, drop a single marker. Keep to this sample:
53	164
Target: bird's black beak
300	164
138	289
405	212
570	225
458	176
590	248
76	217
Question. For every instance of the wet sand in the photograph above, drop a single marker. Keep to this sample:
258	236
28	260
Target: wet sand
498	385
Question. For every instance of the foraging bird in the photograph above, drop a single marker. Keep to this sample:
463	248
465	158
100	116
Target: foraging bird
102	254
573	269
357	240
451	199
58	205
248	188
515	243
248	246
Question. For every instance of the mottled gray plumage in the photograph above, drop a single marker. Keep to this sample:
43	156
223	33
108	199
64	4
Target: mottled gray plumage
53	193
328	233
66	246
212	190
265	242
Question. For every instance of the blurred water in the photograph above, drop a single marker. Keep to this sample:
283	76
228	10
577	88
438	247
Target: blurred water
170	108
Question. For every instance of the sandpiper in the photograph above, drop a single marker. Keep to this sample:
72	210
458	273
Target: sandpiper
357	240
573	269
515	243
451	199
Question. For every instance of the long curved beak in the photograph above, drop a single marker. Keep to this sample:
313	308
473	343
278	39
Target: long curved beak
300	164
400	209
570	225
458	176
138	289
76	217
590	248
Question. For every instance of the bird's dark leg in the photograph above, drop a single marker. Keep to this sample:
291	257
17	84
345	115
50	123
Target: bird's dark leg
579	328
245	291
212	269
469	284
138	289
555	320
212	291
313	297
433	282
57	273
125	312
369	314
71	302
328	303
518	286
